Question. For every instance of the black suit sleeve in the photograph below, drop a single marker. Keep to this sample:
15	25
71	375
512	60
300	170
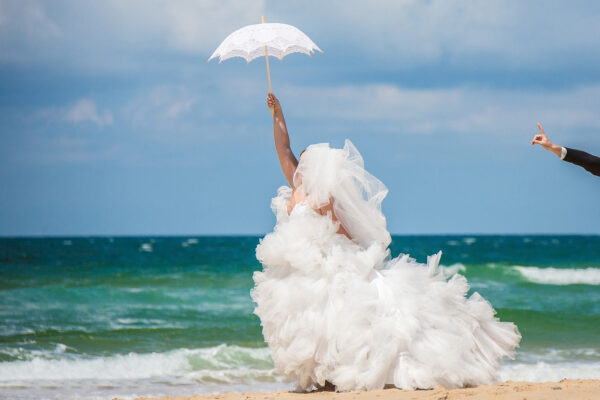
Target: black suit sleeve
583	159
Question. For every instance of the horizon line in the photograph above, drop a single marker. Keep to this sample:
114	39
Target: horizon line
239	235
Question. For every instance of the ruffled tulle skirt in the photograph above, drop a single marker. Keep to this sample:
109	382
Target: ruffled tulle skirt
334	311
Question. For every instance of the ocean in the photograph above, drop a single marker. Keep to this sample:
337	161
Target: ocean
105	317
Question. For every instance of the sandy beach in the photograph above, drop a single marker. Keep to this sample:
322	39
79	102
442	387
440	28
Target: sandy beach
571	389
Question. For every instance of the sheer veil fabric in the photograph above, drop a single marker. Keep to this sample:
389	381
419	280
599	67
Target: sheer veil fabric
340	310
339	174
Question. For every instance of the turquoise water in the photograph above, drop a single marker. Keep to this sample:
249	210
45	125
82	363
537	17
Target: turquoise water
101	317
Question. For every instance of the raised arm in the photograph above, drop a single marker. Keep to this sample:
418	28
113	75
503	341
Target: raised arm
585	160
282	140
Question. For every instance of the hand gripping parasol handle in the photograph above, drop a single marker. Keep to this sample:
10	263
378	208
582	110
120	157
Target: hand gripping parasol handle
268	73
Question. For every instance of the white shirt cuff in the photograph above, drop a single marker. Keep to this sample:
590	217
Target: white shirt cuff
563	153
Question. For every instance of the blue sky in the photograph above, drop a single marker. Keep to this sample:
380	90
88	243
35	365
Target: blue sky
113	123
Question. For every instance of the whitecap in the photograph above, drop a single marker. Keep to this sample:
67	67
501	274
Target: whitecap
453	269
469	240
189	242
560	276
133	289
147	247
60	348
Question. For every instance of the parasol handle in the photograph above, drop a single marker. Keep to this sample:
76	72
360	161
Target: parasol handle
268	73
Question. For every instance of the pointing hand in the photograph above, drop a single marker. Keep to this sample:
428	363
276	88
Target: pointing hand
542	139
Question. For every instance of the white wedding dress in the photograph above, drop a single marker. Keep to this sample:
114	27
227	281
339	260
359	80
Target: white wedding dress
343	311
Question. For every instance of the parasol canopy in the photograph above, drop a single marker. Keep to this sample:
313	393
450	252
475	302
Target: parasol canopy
251	41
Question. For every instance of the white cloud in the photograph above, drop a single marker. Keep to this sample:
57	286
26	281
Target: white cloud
494	34
460	110
81	111
198	26
179	107
28	17
163	111
116	34
85	110
25	27
188	26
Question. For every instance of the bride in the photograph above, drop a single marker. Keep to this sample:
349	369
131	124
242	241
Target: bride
338	312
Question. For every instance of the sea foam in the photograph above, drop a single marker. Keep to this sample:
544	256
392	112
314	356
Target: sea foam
554	372
223	363
223	368
560	276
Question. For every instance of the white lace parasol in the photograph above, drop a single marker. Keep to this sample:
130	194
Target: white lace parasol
250	42
254	41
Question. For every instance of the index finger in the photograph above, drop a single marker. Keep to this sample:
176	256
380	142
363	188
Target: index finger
541	129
